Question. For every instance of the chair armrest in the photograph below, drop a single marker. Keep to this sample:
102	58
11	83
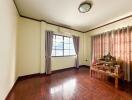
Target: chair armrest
117	69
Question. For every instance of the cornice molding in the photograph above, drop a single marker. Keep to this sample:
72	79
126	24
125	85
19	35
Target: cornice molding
43	20
51	23
68	27
109	23
16	7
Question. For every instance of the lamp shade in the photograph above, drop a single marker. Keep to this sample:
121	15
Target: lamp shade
84	7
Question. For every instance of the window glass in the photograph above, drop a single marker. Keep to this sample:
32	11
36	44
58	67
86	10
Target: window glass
59	38
53	47
54	37
59	45
66	39
66	46
62	46
72	46
53	52
59	53
66	52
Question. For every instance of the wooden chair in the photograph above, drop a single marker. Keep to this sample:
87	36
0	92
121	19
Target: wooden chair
101	71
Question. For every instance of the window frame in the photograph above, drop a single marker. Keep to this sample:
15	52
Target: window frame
63	46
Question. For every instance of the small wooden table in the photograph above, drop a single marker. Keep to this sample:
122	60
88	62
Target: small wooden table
102	70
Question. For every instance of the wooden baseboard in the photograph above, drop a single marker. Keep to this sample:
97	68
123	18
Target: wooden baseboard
40	75
70	68
62	70
86	66
13	87
20	78
31	76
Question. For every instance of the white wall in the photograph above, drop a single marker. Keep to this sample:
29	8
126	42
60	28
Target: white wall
8	30
31	47
87	37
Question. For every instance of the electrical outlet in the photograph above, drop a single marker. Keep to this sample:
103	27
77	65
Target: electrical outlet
86	59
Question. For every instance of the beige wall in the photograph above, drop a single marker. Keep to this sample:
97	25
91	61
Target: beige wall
31	47
87	37
87	48
28	47
8	30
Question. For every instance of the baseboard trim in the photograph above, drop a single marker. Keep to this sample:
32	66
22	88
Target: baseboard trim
30	76
62	70
70	68
86	66
11	90
20	78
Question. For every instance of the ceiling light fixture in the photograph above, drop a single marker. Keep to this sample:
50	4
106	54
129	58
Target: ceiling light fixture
84	7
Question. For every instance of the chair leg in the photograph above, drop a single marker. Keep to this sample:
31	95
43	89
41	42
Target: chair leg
90	73
116	82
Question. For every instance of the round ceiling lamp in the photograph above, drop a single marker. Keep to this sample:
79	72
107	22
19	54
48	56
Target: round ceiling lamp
84	7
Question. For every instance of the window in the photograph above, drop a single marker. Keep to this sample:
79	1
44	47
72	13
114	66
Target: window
62	46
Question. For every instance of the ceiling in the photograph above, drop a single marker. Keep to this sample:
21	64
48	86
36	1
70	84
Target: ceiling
65	12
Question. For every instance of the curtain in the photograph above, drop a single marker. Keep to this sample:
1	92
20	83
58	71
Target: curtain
96	46
76	46
101	45
119	44
48	51
105	43
122	49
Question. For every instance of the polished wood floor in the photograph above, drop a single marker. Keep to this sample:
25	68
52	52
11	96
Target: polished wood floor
68	85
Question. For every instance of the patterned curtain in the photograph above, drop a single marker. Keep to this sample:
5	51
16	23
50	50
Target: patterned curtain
119	44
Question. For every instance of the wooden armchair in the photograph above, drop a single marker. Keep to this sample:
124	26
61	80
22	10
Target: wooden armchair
102	71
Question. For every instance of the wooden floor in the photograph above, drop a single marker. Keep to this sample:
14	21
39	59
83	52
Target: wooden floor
68	85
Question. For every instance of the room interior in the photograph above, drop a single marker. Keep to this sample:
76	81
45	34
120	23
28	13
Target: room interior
32	68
